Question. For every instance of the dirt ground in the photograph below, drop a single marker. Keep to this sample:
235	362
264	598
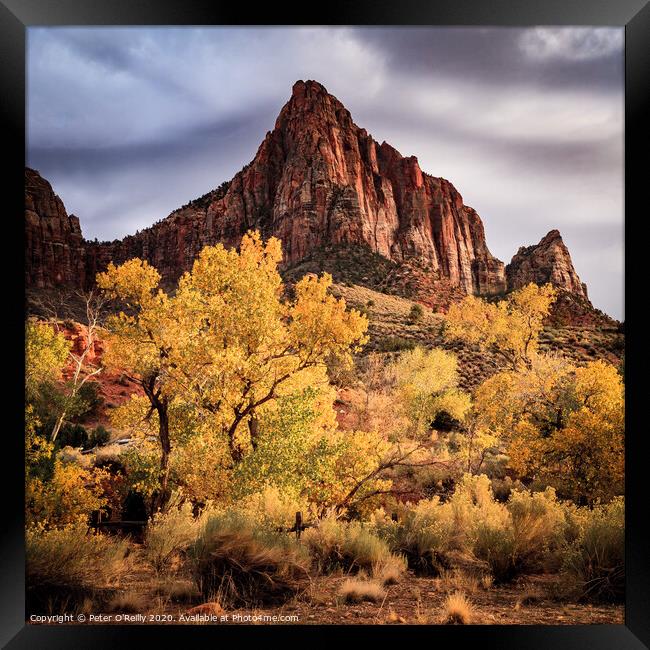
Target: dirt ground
413	601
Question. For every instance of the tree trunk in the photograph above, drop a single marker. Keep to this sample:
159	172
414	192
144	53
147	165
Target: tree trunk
165	449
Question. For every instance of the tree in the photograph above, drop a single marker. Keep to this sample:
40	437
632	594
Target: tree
509	328
250	345
564	425
427	385
46	353
228	342
141	341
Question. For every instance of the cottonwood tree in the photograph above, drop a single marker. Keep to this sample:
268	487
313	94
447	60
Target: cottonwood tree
250	344
228	341
67	398
509	328
564	425
140	342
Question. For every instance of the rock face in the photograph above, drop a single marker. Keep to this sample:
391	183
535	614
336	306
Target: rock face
317	180
54	247
548	261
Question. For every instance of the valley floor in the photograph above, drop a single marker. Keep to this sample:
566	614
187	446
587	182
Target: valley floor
413	601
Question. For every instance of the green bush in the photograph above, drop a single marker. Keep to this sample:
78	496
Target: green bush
99	437
395	344
416	313
72	435
89	398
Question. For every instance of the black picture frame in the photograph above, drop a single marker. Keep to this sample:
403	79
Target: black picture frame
17	15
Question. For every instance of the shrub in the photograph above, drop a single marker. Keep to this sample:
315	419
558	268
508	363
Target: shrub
356	591
349	546
272	508
596	559
422	536
72	435
416	313
522	541
395	344
511	538
457	610
243	565
90	396
66	566
171	532
99	437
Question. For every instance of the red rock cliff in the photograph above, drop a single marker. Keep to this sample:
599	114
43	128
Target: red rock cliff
319	180
548	261
54	248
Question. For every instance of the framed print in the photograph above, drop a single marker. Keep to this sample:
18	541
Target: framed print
321	321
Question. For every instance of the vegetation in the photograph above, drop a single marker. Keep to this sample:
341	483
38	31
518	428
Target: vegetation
244	401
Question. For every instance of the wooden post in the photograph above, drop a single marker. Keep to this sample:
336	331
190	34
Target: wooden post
298	525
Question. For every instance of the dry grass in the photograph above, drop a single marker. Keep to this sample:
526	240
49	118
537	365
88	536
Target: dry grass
65	567
246	568
128	602
456	580
457	610
354	590
177	590
390	573
170	533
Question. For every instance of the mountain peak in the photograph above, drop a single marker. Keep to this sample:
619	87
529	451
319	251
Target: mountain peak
547	261
318	180
310	86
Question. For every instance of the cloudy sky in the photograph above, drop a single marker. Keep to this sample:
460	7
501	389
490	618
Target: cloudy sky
130	123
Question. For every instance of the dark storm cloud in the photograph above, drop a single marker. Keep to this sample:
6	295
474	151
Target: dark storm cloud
130	123
493	55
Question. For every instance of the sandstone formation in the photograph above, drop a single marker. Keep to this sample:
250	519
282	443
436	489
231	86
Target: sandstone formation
54	246
548	261
317	180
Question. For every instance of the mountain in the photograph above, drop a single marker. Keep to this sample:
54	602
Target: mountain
548	261
330	192
55	251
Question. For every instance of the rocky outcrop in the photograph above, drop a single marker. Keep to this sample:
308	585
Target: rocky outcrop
54	247
317	180
548	261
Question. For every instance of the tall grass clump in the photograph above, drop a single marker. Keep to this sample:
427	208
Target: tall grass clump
528	534
457	610
239	563
427	532
351	547
595	562
171	532
66	566
422	535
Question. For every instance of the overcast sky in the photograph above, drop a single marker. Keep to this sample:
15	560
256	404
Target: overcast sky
130	123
